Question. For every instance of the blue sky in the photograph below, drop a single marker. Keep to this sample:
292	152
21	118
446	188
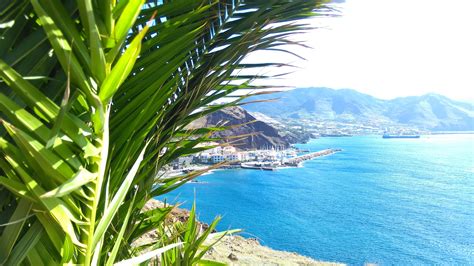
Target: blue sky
389	48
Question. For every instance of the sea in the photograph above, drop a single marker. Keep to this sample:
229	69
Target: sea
383	201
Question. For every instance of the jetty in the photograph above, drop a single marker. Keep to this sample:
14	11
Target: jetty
296	161
290	162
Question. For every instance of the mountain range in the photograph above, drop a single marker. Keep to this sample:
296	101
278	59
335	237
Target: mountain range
429	112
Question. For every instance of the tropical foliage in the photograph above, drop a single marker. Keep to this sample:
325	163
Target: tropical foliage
95	97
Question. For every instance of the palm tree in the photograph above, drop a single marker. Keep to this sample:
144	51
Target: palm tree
95	99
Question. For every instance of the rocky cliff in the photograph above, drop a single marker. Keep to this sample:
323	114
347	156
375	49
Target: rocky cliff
257	134
236	250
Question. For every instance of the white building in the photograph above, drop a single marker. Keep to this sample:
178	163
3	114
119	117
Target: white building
232	157
204	157
217	158
229	149
244	156
216	150
183	162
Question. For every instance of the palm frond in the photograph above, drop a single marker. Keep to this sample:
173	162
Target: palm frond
96	97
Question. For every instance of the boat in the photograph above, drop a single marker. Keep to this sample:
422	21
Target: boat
294	164
400	136
249	166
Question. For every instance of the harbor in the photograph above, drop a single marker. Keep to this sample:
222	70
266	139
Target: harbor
351	189
296	161
267	160
299	159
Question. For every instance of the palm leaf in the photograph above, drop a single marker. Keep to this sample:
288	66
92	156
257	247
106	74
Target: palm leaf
86	86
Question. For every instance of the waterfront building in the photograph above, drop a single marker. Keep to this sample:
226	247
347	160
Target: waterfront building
244	156
217	158
229	149
232	157
203	157
183	162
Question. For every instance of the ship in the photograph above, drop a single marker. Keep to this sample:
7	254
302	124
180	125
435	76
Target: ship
400	136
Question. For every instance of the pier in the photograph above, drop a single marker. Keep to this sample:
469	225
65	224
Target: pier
261	160
299	159
290	162
296	161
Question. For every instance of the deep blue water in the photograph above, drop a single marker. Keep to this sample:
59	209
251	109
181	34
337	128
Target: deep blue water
386	201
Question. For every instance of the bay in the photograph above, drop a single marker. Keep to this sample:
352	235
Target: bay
385	201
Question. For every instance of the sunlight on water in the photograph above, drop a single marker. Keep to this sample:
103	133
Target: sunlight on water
388	201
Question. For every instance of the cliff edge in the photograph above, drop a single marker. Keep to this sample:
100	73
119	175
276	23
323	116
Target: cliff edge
237	250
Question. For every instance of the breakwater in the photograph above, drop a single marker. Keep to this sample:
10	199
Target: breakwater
290	162
299	159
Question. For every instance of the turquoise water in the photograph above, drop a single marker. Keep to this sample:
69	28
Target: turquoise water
386	201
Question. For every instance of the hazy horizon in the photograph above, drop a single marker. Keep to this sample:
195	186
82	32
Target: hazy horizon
387	49
467	99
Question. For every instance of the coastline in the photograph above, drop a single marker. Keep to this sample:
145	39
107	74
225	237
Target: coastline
331	209
290	162
238	250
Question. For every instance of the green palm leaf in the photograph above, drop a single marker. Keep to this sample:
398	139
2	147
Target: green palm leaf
96	97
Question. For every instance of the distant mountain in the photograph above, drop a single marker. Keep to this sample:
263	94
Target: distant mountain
431	111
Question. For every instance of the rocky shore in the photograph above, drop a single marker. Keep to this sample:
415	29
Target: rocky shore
237	250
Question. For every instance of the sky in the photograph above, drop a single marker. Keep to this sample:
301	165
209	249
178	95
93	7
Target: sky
388	49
